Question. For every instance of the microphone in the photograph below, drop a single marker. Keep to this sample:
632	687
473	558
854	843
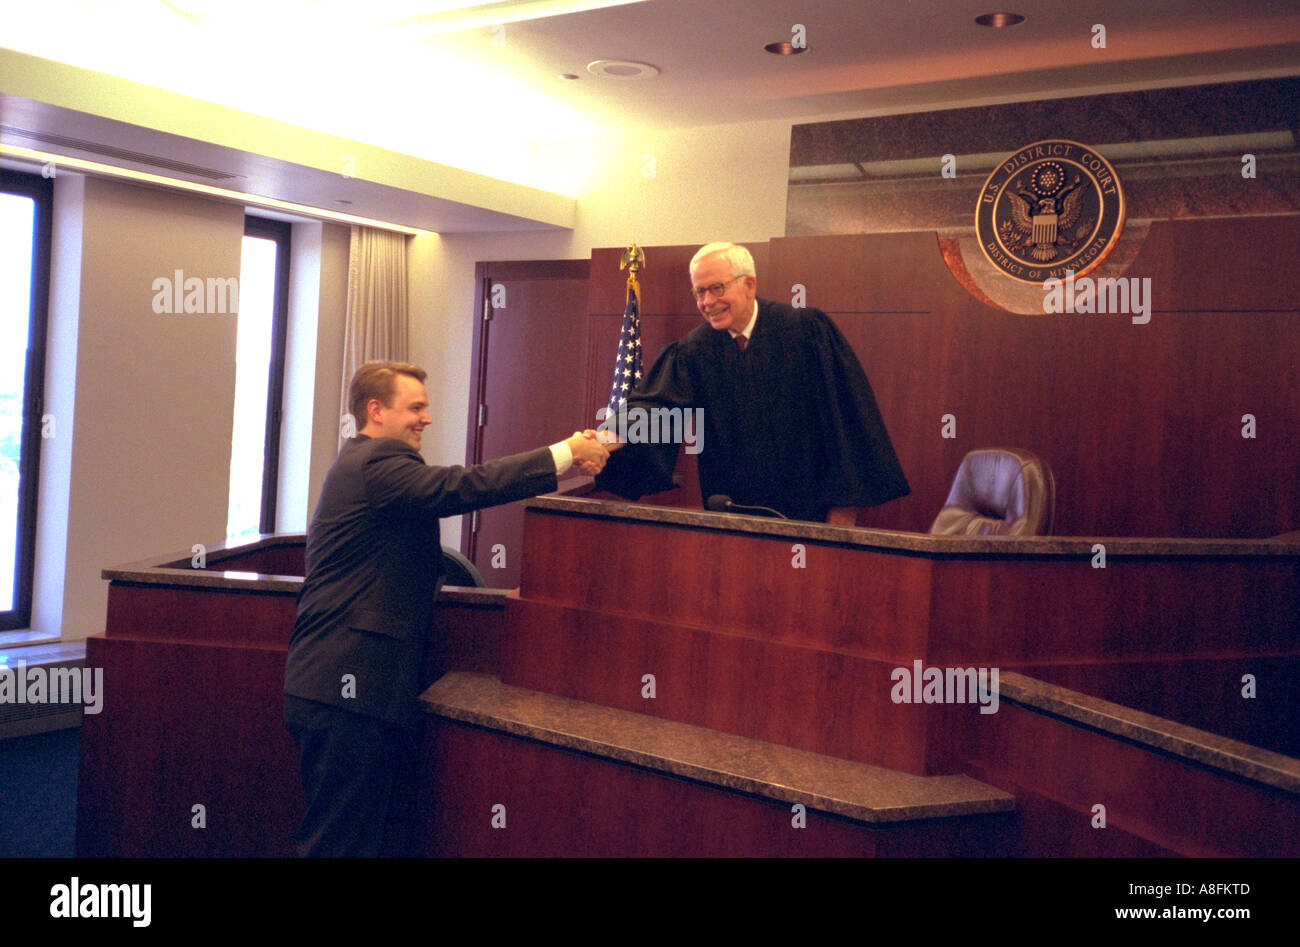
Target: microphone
721	503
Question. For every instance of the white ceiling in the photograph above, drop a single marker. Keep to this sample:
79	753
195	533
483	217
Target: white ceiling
894	54
369	72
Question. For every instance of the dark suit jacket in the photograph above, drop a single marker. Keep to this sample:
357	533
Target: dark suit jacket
374	566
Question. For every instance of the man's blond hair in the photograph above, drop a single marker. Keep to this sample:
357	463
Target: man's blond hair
377	380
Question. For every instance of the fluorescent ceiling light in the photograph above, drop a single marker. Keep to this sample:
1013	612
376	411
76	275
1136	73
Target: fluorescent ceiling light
416	17
64	162
466	16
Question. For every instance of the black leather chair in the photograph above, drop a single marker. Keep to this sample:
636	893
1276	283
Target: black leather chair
999	491
459	570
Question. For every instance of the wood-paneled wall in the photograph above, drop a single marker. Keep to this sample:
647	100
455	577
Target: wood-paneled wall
1142	423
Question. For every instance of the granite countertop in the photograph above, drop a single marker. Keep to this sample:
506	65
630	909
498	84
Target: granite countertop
1176	739
173	569
922	544
854	790
142	574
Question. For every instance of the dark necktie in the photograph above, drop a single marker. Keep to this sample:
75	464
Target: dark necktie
742	342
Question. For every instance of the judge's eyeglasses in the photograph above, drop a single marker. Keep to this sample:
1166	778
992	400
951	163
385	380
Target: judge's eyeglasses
716	290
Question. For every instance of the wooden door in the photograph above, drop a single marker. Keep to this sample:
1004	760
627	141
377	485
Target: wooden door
527	387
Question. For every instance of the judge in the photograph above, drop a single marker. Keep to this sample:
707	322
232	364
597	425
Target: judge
790	421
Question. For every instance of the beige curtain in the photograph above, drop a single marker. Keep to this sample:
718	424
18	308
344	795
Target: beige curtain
378	315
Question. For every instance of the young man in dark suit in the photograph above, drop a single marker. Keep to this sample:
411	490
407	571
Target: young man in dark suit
374	566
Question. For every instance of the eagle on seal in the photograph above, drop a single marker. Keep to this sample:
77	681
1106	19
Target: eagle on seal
1040	219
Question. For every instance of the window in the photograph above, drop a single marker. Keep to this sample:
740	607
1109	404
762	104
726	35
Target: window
26	208
259	377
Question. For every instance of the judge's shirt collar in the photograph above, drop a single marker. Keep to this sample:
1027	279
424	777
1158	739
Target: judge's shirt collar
749	326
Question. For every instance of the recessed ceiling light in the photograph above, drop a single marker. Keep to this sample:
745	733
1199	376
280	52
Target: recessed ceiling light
785	48
622	69
999	20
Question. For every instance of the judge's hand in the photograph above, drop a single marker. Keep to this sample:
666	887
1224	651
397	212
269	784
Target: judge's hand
589	455
609	439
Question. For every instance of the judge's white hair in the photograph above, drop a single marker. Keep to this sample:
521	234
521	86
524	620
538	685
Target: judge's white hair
742	263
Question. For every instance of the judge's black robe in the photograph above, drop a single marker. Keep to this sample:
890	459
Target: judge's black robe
790	422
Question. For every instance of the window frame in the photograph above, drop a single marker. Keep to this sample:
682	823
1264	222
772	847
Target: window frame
280	232
41	190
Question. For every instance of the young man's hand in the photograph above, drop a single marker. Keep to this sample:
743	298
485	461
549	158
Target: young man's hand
589	454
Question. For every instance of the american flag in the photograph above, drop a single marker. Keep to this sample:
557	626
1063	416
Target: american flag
627	367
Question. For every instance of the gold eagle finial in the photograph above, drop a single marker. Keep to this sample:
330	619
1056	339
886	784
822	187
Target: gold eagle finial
633	258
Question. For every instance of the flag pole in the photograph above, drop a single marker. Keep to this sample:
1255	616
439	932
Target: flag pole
627	362
632	261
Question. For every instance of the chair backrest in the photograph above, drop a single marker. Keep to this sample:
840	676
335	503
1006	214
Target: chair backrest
458	570
999	491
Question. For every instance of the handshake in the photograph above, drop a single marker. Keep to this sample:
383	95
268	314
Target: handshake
591	449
